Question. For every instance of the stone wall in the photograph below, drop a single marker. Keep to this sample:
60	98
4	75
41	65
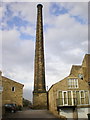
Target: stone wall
9	96
40	100
63	85
86	67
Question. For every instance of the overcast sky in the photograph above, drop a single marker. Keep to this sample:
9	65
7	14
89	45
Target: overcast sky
65	38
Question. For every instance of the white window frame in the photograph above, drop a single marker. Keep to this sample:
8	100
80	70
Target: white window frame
58	94
82	97
74	81
88	97
73	96
66	98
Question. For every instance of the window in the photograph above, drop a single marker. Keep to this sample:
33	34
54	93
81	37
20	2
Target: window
69	98
65	99
60	98
72	98
80	76
73	83
13	89
78	97
84	97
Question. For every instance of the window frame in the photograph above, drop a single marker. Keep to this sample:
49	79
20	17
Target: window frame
73	83
65	98
72	97
82	96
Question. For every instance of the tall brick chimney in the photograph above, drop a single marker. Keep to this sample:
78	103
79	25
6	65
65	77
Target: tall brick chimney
39	93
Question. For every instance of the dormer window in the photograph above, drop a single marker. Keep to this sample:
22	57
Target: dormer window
80	76
72	83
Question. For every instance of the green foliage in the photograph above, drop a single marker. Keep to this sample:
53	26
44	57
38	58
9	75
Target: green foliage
26	103
19	107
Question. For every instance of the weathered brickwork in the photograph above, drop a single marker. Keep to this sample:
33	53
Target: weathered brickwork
63	84
39	93
40	100
86	67
9	96
39	76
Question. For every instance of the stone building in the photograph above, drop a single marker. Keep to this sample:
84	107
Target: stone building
12	92
70	96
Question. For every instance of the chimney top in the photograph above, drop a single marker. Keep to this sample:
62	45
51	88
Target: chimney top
40	5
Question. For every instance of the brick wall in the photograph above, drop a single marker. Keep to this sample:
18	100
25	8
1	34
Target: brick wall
40	100
9	96
63	85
